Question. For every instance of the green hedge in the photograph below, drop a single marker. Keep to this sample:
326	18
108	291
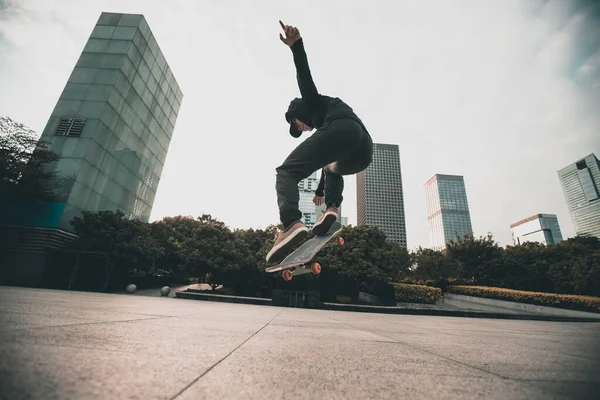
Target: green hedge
279	298
416	293
313	299
570	301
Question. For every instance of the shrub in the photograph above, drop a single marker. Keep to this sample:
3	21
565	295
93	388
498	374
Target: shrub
416	293
225	290
574	302
343	299
410	281
279	298
313	299
461	282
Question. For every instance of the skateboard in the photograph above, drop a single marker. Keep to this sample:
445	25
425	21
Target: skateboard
297	262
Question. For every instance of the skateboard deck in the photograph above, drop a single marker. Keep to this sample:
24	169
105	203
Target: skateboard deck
305	253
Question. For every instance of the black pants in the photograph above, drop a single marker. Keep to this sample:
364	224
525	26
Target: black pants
341	146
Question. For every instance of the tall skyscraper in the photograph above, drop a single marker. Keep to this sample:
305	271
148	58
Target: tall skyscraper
447	209
541	228
111	127
379	193
311	212
580	182
113	122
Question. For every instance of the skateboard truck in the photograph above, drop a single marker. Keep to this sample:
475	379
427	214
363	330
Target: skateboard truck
315	268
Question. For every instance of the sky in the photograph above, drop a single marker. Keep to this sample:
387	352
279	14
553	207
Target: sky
505	93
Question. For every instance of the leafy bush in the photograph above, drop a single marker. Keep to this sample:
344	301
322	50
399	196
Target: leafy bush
313	299
571	266
225	290
343	299
279	298
416	293
366	263
574	302
461	282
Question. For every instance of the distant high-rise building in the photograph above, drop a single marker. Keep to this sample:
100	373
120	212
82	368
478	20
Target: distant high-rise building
311	212
580	182
306	189
321	209
541	228
114	121
379	193
447	209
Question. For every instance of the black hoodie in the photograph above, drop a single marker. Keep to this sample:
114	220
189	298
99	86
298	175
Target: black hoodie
313	108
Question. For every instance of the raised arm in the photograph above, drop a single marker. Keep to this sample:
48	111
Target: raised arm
308	90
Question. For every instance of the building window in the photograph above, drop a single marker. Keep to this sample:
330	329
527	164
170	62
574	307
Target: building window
586	181
70	127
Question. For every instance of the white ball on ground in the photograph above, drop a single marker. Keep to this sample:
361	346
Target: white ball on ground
131	288
165	290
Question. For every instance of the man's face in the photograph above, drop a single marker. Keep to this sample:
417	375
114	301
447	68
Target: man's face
302	127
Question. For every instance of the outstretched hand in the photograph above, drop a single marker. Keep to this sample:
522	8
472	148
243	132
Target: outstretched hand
291	34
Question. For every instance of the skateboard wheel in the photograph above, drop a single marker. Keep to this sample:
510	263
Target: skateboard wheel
287	275
316	268
340	241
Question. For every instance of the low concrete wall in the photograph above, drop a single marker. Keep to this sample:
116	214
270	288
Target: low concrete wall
194	295
484	304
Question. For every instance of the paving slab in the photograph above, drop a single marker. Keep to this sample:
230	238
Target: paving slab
274	366
73	345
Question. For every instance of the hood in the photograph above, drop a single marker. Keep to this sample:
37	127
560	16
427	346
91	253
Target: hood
299	111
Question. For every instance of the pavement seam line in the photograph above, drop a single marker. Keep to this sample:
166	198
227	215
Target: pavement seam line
435	354
554	381
557	351
223	359
89	323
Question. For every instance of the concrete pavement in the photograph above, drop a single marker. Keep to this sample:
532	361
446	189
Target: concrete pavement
74	345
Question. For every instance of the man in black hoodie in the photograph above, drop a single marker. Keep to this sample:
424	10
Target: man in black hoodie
340	146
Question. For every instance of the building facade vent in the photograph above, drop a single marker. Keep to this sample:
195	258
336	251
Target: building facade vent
70	127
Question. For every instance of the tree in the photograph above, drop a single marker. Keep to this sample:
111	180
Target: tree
128	242
473	254
205	247
434	265
367	262
575	266
523	267
170	233
252	278
24	172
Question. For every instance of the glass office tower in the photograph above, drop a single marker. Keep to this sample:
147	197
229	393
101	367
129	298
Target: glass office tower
580	182
113	122
379	195
447	209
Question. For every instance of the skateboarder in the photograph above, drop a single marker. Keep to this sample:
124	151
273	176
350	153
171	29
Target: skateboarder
340	146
